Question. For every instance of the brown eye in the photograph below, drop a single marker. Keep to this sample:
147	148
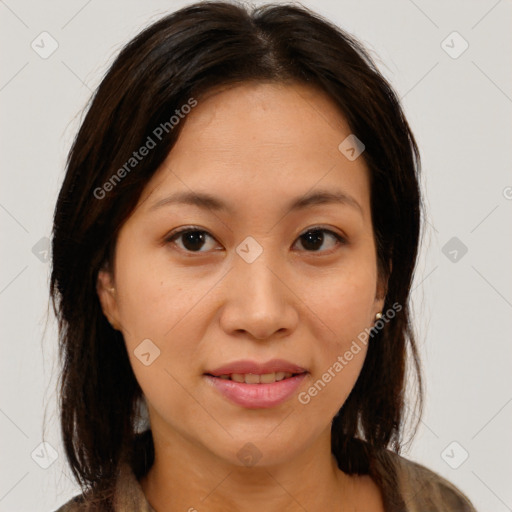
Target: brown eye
192	240
313	239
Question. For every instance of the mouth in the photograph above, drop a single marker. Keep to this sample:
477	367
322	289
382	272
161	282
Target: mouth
254	378
253	391
257	385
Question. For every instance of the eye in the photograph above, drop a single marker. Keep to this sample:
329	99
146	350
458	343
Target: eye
193	239
314	238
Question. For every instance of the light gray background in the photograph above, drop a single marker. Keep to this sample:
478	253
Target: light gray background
459	110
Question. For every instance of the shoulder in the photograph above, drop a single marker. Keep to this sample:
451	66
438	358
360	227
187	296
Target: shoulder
75	504
88	501
422	489
125	495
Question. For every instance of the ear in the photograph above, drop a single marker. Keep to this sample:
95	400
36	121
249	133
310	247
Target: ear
382	291
106	291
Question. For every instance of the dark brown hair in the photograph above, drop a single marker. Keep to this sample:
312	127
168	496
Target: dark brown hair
185	55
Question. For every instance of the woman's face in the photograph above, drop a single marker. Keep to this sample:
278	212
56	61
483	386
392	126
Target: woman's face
254	279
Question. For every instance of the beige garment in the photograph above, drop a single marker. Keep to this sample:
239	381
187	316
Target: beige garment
420	490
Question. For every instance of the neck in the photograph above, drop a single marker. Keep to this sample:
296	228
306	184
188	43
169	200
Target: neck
185	476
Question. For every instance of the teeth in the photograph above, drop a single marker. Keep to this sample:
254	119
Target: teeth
266	378
251	378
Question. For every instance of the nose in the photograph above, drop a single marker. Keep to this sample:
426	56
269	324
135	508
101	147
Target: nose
258	300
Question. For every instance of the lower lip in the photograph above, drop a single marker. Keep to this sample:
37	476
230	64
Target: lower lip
257	396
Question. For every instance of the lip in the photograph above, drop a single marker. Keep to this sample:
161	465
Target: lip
256	396
247	366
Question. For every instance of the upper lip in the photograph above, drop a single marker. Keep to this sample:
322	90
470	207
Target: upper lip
247	366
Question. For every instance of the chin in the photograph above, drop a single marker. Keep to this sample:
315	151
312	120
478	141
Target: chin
259	450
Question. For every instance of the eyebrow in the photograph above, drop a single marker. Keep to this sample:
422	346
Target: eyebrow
207	201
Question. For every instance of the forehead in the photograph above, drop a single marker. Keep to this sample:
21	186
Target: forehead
261	140
267	113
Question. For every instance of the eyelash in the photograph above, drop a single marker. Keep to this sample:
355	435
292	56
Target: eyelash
192	229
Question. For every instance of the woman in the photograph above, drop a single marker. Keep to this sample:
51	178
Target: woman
233	249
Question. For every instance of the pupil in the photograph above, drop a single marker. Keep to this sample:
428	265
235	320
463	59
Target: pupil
314	237
193	240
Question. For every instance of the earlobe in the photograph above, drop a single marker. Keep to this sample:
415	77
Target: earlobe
107	296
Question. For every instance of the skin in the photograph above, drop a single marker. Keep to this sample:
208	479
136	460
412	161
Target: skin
256	146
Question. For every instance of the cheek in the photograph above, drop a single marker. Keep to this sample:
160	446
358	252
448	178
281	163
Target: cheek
341	308
161	310
343	302
328	389
154	296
